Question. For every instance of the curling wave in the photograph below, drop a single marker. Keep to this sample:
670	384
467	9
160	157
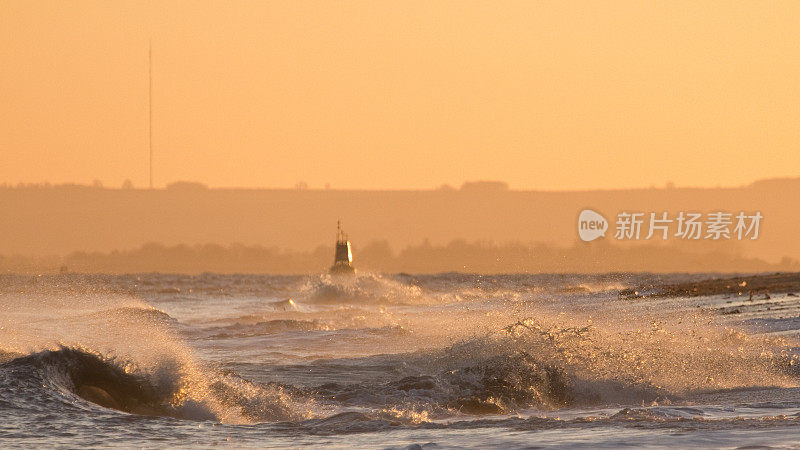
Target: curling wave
63	374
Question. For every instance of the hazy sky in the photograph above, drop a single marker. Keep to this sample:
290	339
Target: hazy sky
544	95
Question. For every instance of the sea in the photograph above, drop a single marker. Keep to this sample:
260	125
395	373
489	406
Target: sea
394	361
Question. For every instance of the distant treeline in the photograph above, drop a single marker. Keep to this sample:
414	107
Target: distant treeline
457	256
469	186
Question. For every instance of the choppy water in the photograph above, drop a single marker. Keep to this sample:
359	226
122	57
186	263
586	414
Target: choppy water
391	361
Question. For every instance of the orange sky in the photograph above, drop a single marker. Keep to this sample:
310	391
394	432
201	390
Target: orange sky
374	94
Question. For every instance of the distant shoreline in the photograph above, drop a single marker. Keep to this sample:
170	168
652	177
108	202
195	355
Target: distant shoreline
484	228
467	187
759	285
378	256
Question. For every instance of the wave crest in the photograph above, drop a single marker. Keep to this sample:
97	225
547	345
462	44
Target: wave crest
363	289
166	390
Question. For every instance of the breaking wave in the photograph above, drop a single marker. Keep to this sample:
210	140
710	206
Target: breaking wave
527	364
364	289
531	365
167	390
398	358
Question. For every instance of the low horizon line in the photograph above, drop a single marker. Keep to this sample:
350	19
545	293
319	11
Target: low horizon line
466	187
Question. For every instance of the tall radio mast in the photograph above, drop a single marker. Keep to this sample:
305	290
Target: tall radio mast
150	105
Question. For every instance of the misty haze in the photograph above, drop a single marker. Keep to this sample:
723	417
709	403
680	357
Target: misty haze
399	224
